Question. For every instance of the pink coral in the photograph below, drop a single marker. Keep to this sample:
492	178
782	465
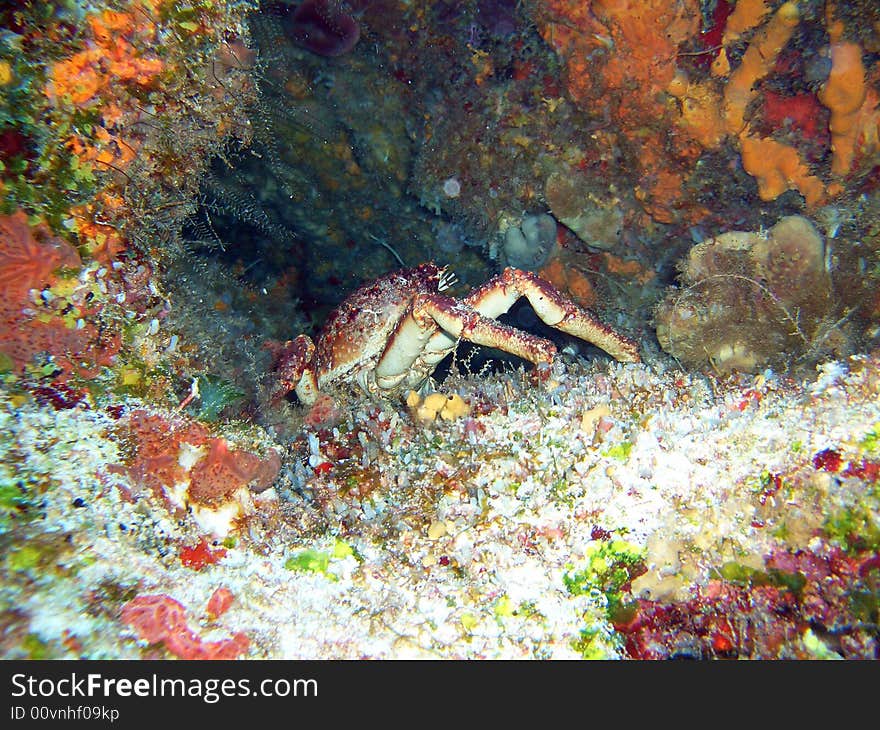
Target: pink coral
222	471
219	603
28	256
159	619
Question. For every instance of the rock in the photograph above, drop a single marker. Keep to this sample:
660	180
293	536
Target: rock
596	221
751	299
529	245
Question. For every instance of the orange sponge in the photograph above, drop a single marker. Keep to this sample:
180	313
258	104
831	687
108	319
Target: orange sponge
778	167
756	63
844	94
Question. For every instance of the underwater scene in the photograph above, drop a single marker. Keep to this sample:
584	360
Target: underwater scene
393	329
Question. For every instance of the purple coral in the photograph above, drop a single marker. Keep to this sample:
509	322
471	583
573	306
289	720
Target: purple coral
324	27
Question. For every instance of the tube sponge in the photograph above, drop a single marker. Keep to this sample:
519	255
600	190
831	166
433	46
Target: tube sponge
756	63
777	167
844	94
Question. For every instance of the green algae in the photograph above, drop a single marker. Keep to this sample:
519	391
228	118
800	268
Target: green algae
319	561
747	576
215	395
36	648
16	504
610	569
870	442
818	648
23	558
619	451
855	529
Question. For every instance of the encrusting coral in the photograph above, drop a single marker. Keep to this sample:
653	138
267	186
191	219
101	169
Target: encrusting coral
183	465
160	619
96	107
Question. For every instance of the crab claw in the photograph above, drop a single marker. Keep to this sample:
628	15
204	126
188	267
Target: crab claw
498	294
295	369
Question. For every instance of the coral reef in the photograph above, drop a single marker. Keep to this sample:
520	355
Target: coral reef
635	52
799	607
63	322
185	187
555	518
720	79
105	131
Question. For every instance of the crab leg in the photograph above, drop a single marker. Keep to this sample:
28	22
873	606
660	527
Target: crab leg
498	294
457	320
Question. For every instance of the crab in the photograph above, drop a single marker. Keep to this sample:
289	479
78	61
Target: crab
390	334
